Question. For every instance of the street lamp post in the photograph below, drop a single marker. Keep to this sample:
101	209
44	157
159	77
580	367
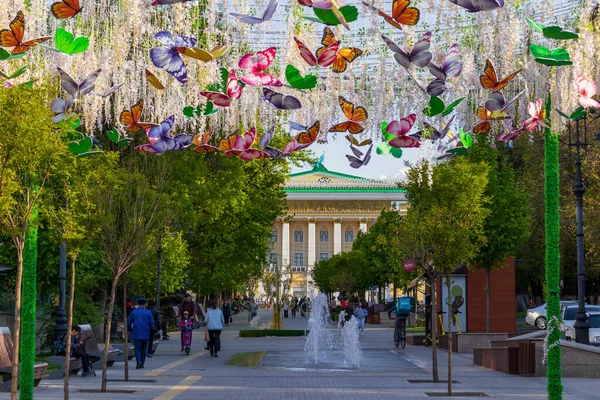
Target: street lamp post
60	326
158	274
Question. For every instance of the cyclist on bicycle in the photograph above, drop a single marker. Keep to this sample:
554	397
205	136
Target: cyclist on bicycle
402	310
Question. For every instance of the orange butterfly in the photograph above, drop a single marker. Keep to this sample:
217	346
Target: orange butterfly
66	9
344	55
354	115
153	80
14	36
308	137
131	118
201	143
402	14
489	80
486	116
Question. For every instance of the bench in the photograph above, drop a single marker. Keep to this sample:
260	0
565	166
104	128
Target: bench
91	347
131	351
6	355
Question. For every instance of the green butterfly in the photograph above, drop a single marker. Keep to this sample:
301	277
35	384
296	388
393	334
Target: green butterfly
297	81
552	32
553	58
121	141
437	106
66	43
327	17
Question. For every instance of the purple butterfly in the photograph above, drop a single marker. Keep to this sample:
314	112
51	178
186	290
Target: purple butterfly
60	108
267	15
167	2
74	88
170	58
356	162
499	103
474	6
419	55
264	143
450	68
109	91
161	141
280	101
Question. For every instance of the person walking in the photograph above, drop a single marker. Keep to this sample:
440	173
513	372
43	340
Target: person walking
253	309
360	313
189	306
139	323
214	324
156	328
226	313
286	307
294	306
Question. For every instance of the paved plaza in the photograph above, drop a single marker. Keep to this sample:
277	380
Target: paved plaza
284	373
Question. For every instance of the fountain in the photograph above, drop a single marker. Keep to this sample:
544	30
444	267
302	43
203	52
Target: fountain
351	344
319	337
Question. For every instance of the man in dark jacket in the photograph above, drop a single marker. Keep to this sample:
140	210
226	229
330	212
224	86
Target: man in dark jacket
78	350
139	323
226	312
156	328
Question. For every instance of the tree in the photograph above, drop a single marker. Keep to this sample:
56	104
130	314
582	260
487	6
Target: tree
342	273
30	148
506	226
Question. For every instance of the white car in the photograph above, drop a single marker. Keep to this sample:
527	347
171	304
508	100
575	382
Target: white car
537	316
593	313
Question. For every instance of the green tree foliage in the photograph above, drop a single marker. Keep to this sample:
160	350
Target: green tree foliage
506	226
344	272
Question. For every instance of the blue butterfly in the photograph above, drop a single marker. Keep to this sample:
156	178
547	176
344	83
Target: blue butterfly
162	142
170	58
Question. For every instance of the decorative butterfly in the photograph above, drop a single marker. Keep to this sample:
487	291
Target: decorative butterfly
131	119
297	126
489	79
146	148
201	143
161	141
65	9
267	14
511	135
587	89
117	138
356	162
290	147
432	133
499	103
450	68
265	140
255	64
240	145
344	55
72	87
354	141
402	14
486	116
538	114
305	139
474	6
324	59
324	5
280	101
399	130
203	55
13	37
170	58
354	116
233	89
419	55
168	2
153	80
60	107
110	91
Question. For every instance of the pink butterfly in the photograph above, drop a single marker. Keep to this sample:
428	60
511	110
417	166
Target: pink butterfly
233	88
324	58
587	89
255	64
399	129
511	135
240	145
538	114
325	5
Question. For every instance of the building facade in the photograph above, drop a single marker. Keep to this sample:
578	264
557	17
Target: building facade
325	212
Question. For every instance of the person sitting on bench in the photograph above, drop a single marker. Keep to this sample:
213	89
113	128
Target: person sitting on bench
78	350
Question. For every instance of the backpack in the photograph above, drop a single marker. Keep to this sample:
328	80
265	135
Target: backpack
403	305
59	345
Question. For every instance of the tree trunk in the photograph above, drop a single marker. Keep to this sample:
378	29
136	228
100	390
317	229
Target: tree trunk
125	338
111	307
434	361
69	327
19	245
488	295
450	316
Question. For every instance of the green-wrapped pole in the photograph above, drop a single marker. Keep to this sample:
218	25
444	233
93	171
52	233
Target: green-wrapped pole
552	195
28	312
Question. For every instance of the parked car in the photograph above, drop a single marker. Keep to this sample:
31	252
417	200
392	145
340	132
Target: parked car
594	335
537	316
569	314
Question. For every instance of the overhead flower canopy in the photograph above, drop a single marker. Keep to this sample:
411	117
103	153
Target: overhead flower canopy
309	69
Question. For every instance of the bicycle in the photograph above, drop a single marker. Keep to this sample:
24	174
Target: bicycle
428	338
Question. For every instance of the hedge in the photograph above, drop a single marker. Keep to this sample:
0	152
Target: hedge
272	332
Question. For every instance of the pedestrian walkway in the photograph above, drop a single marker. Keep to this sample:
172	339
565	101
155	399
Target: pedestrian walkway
172	375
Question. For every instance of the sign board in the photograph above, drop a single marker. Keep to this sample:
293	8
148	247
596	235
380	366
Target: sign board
410	265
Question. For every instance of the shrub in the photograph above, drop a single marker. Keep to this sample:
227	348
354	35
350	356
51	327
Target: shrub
273	332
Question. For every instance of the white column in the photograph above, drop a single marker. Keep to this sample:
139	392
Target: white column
362	226
285	244
337	237
312	245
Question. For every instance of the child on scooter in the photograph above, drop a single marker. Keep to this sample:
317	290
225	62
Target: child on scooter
186	325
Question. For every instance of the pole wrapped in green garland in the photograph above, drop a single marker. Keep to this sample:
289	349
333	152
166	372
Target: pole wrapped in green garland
28	310
552	195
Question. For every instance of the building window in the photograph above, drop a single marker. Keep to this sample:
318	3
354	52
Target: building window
274	236
349	236
274	259
323	256
298	236
324	236
299	269
298	259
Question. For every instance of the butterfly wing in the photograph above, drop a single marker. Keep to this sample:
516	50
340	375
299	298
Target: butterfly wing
280	101
153	80
258	62
171	61
307	54
14	36
404	142
260	78
247	19
265	139
328	55
420	54
65	9
328	37
452	66
403	14
474	6
489	79
307	138
218	98
87	85
270	10
345	56
496	102
500	85
401	127
234	89
68	83
161	131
